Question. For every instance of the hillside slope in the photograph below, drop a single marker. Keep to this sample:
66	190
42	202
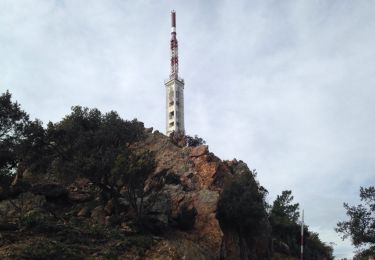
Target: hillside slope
43	217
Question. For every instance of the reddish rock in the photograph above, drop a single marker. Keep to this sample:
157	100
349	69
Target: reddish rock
207	226
205	171
84	212
202	177
199	151
98	215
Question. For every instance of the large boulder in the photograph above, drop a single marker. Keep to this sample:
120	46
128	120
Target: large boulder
199	151
157	212
81	190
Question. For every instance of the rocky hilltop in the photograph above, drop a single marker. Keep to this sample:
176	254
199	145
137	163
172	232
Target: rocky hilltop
44	217
201	177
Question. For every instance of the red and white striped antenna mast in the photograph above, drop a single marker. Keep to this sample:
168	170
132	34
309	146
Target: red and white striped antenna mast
174	48
174	88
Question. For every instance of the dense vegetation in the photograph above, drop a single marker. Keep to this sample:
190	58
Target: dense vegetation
241	205
14	124
37	166
283	217
361	224
85	143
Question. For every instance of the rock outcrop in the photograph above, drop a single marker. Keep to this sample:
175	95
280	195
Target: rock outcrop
184	215
202	177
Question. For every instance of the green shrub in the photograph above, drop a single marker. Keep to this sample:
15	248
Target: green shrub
33	219
241	205
186	217
168	177
194	141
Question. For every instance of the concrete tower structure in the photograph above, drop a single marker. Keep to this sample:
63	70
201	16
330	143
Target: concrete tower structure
174	89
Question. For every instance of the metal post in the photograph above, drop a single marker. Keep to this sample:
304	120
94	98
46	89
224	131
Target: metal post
302	224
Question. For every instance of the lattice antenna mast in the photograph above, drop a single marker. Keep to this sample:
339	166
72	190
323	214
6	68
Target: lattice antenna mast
174	48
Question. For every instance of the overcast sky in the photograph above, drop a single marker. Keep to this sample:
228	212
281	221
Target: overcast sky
286	86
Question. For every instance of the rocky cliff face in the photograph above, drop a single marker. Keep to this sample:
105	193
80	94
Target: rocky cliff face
184	213
202	178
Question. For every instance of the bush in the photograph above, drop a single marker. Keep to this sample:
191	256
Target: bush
32	219
5	181
360	226
186	217
241	205
133	170
194	141
283	217
168	177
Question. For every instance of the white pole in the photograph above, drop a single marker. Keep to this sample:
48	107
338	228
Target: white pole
302	223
